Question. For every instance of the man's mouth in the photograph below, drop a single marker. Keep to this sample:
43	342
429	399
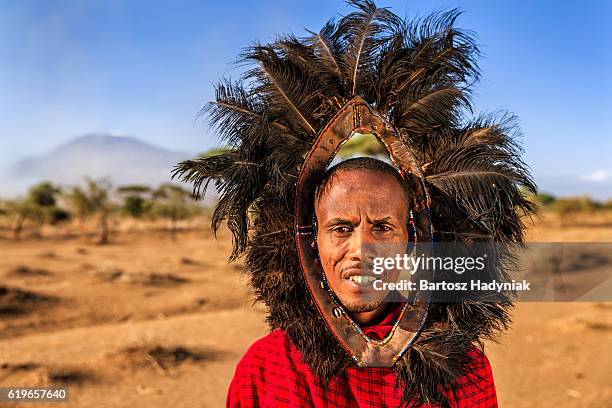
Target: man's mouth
362	278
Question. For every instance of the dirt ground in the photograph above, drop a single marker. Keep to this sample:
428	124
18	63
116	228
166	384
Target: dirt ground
148	321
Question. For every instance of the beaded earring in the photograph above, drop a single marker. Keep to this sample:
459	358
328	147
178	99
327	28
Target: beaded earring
413	229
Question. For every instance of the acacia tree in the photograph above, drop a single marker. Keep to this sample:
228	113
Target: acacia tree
173	203
43	202
19	211
93	200
137	200
38	207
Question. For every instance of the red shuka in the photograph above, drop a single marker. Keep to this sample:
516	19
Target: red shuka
273	374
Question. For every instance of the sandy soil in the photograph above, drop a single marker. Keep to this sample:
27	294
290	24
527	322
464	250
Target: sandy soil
149	321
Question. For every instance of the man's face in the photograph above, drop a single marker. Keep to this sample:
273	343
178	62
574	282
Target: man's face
360	215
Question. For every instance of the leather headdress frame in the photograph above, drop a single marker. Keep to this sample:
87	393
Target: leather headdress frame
356	116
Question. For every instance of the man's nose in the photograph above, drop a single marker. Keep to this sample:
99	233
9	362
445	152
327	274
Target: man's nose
358	245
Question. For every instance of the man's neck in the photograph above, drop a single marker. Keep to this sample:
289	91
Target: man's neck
375	316
371	317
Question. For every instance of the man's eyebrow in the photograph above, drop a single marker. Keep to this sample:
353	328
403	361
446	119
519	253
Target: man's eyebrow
378	220
338	220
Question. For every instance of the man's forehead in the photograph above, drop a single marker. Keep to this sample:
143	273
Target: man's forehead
353	191
359	180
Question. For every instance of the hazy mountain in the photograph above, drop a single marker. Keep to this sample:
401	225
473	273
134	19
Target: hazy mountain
123	159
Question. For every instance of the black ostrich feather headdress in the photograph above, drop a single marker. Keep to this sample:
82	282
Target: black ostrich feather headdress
417	77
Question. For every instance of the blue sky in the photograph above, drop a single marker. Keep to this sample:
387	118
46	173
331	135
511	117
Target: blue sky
145	68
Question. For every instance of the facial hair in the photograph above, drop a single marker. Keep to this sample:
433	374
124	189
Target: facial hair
358	307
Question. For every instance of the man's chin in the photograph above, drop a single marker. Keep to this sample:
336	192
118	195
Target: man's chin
361	307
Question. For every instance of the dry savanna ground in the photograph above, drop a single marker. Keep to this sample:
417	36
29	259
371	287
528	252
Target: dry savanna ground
149	321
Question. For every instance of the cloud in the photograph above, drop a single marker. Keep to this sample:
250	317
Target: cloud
597	176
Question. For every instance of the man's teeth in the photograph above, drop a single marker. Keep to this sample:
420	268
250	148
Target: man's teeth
362	278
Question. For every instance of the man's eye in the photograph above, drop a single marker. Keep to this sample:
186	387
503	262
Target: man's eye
383	228
343	229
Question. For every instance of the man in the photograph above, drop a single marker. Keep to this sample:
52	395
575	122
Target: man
308	233
352	219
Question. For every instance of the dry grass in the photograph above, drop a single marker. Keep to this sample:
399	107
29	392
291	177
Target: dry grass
151	321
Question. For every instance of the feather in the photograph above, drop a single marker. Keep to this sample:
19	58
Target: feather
478	175
437	107
283	82
364	31
418	75
326	46
233	109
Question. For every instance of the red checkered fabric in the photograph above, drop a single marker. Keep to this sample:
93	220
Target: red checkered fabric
272	374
